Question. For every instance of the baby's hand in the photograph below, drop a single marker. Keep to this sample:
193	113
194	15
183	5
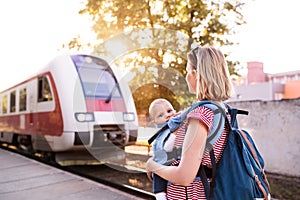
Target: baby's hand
173	115
149	173
176	114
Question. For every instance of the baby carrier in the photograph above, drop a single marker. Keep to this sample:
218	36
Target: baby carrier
160	137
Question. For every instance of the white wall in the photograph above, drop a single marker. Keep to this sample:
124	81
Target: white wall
266	91
275	127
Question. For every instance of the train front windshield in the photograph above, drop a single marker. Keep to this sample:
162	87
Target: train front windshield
97	78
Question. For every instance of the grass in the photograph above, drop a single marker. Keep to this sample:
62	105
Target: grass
284	187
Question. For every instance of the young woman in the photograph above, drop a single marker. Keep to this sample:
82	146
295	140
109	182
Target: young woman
208	78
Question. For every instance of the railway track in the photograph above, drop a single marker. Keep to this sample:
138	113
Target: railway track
129	179
133	182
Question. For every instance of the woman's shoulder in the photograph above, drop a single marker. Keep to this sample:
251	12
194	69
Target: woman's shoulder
200	111
203	114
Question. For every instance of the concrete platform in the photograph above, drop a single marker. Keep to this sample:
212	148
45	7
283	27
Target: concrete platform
22	178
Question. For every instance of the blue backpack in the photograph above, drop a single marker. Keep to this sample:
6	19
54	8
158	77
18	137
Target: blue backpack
239	175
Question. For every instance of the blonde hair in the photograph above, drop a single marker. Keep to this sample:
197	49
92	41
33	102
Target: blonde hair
212	72
156	102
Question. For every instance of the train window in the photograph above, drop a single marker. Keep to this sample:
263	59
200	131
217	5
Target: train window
99	83
44	91
4	104
13	101
22	100
97	78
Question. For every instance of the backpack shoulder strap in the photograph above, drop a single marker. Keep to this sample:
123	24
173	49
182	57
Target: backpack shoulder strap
233	113
219	119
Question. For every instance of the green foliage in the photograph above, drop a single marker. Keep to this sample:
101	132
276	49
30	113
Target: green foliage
157	35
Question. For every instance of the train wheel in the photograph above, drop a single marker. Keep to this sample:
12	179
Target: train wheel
23	142
49	156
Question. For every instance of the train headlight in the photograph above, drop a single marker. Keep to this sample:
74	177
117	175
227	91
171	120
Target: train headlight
128	117
85	117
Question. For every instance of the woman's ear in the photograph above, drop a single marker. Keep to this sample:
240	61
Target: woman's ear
194	71
195	74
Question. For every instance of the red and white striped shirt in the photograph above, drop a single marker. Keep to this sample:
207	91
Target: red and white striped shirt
195	190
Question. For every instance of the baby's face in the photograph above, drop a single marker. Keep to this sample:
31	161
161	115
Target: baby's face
163	112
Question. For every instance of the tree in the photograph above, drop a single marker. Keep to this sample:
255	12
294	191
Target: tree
152	37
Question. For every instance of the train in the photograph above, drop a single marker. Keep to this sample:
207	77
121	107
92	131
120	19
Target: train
76	105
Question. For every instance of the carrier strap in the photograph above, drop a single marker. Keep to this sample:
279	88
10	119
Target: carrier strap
204	173
176	121
164	127
214	171
203	177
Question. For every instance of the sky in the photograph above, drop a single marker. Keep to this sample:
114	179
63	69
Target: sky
271	35
32	31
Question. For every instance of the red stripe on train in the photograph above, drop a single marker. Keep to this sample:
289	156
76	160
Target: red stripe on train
115	105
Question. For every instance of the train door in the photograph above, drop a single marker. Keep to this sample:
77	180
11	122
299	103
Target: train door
31	89
41	108
31	109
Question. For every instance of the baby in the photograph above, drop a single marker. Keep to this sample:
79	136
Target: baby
160	111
